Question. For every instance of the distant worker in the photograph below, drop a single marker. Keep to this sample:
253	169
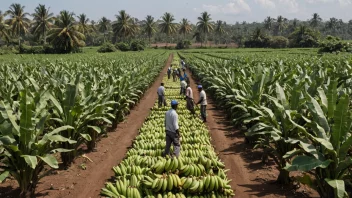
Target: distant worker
183	86
174	75
172	130
161	95
189	99
203	103
169	73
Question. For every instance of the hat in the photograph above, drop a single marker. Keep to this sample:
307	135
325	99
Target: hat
200	86
174	102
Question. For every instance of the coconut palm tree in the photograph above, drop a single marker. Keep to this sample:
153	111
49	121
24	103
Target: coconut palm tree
220	28
332	24
149	26
123	26
281	23
185	27
316	19
18	21
167	24
3	28
42	21
268	23
204	25
66	36
83	25
104	26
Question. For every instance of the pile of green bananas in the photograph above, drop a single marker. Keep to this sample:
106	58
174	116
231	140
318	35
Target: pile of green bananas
197	172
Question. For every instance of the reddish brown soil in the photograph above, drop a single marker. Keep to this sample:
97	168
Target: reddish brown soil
250	177
78	183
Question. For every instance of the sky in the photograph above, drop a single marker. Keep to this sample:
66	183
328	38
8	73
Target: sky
230	11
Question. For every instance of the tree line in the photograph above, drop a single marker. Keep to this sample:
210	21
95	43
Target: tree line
68	31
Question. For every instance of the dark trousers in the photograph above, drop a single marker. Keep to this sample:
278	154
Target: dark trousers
203	112
172	138
161	101
190	105
168	75
182	91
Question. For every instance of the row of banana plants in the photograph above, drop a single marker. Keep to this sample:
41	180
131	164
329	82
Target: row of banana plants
197	172
297	109
56	105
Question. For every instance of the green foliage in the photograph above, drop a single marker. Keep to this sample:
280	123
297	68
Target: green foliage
50	104
107	47
278	42
296	108
137	45
334	45
304	37
123	46
184	44
27	144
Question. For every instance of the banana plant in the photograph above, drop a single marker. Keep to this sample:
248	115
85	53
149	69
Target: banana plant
26	143
326	142
81	111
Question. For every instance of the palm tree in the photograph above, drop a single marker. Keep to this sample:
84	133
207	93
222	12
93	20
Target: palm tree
205	25
268	23
220	28
66	36
3	28
332	24
185	27
257	34
167	25
149	26
281	23
18	20
123	26
43	21
103	26
83	25
314	22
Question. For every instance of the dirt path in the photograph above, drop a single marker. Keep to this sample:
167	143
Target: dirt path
250	178
78	183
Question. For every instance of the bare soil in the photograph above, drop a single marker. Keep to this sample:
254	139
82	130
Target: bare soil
250	177
78	183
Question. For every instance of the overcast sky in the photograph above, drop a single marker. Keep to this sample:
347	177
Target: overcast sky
227	10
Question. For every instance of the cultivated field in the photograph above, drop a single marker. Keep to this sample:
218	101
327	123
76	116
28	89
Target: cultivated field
88	125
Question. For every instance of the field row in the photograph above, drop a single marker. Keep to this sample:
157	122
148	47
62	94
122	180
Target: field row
197	172
55	105
296	109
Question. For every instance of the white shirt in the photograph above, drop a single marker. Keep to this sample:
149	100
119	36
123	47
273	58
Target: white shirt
161	91
189	92
183	84
171	121
204	96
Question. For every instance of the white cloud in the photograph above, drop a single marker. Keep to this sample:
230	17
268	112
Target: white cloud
234	7
345	2
290	5
269	4
341	2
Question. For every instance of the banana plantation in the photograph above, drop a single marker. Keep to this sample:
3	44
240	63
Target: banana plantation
291	106
295	108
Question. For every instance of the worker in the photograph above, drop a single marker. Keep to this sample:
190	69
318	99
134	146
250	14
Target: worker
186	78
161	95
189	99
174	74
169	73
172	130
203	103
183	86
